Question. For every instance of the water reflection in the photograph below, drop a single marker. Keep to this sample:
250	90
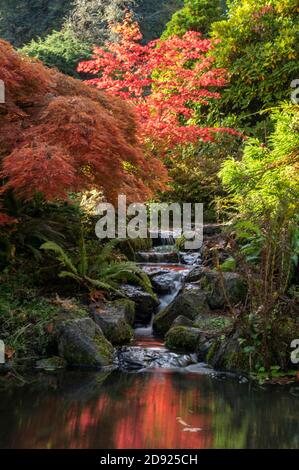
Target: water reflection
149	410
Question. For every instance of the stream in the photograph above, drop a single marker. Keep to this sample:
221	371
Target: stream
155	399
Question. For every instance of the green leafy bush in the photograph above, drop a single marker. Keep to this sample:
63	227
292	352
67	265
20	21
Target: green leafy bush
259	47
196	15
60	49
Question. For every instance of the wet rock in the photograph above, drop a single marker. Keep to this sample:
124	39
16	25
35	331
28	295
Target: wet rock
195	274
51	364
115	320
190	303
183	338
227	353
146	304
137	358
212	282
201	368
222	287
157	257
81	343
181	320
190	257
163	283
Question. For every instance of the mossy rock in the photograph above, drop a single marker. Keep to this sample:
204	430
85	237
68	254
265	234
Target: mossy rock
212	323
81	343
190	303
226	353
223	288
115	320
183	338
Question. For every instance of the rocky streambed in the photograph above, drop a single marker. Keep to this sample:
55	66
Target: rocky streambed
186	322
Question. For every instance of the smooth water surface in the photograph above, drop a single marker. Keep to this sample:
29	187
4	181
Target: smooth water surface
157	409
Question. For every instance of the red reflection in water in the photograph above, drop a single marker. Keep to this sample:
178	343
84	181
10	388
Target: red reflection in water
136	412
160	424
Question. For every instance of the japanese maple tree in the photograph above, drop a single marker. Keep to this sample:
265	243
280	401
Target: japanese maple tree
164	80
59	136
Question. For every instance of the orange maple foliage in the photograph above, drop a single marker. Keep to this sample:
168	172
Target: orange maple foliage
59	136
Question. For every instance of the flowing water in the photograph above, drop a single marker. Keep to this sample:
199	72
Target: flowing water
156	399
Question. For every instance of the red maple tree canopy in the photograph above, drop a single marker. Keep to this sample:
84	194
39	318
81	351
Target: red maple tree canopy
59	136
165	81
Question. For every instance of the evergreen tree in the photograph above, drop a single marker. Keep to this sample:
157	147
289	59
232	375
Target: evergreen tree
21	21
196	15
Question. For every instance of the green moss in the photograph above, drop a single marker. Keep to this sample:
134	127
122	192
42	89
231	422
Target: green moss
119	334
129	307
213	350
105	348
236	360
182	338
210	323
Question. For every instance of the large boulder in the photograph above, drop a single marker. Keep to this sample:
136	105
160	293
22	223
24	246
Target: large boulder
115	320
183	338
190	303
81	343
146	303
220	287
227	354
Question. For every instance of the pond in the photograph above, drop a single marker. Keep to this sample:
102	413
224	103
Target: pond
149	410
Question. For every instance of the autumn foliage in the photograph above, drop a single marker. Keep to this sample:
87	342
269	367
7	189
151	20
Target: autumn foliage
166	81
58	136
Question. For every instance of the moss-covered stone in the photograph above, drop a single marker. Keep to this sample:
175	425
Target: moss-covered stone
115	320
226	353
222	288
182	338
82	343
212	323
190	303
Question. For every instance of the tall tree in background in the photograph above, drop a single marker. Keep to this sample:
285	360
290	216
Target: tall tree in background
23	20
196	15
89	19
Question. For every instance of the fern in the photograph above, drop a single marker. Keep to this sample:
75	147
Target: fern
61	255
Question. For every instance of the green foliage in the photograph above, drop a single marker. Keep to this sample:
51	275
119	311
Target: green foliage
194	171
196	15
38	222
96	267
26	316
266	179
229	265
264	189
259	47
62	50
22	21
